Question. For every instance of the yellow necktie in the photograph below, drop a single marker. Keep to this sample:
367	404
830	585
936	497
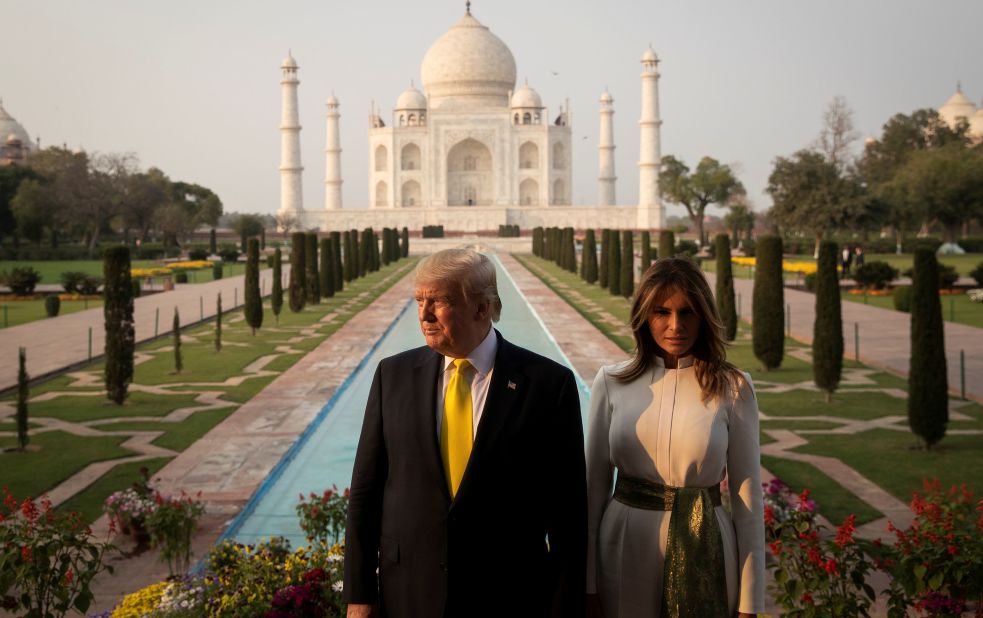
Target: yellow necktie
456	431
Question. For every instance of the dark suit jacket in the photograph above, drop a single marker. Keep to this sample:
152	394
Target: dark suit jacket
513	541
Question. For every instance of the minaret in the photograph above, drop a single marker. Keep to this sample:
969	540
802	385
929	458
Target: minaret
650	211
291	192
332	158
607	177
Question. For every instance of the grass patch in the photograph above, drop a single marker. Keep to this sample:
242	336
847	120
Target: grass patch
177	436
956	308
834	502
89	501
16	312
80	409
799	425
862	406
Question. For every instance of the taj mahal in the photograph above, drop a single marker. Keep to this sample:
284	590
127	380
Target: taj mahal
471	151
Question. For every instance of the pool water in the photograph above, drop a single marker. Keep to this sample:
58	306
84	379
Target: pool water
324	455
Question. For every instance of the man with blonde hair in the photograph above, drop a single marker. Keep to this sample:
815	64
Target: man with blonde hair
468	497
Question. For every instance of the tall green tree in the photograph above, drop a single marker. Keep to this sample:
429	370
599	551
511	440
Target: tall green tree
247	226
768	327
176	328
253	305
646	250
604	269
118	320
297	290
667	244
589	259
928	387
570	250
311	278
23	393
627	274
711	182
537	241
276	297
10	178
326	270
827	337
218	322
339	274
351	268
726	306
740	221
614	264
404	249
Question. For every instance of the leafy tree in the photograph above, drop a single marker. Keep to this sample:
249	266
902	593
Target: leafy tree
23	380
589	259
118	321
33	209
614	264
326	270
827	339
646	249
768	328
310	270
218	323
838	134
247	226
298	284
928	396
667	244
710	183
10	178
276	297
212	242
178	358
253	306
285	221
726	306
627	275
811	194
739	218
604	269
145	193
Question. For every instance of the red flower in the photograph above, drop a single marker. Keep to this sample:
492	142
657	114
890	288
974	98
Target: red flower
807	598
769	515
69	576
776	547
953	550
25	553
844	534
831	567
815	557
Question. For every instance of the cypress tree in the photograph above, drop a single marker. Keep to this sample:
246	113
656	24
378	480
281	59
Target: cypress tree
928	397
298	288
339	272
386	245
602	270
326	270
212	242
349	264
404	249
253	305
827	337
590	258
118	320
614	264
176	326
667	244
365	252
646	250
358	266
375	257
310	270
768	327
726	306
262	238
243	245
218	323
537	241
276	297
627	264
22	396
570	248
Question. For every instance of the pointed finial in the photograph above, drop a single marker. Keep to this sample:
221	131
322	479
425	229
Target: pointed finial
959	85
467	6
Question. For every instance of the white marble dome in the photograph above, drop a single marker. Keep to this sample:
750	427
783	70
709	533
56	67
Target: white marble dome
606	97
976	124
468	65
411	99
958	106
526	97
649	55
10	127
289	62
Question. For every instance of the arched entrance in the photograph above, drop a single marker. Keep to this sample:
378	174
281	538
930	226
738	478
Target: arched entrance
469	174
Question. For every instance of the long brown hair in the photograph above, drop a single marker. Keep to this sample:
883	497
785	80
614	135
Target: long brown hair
714	374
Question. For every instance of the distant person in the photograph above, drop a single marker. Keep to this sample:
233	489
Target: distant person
858	258
665	428
846	258
468	497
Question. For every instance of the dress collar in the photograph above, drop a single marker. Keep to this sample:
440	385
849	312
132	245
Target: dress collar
482	358
684	362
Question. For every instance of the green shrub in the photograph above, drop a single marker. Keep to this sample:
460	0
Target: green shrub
827	338
21	280
726	305
646	249
614	264
875	275
928	397
667	244
298	287
809	282
212	242
253	305
119	326
325	271
902	298
310	270
589	258
72	280
768	328
198	254
137	288
977	273
176	333
228	253
602	271
627	282
23	393
688	247
180	276
339	267
217	270
404	247
52	305
276	296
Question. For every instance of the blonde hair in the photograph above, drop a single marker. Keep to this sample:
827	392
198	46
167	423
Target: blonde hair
473	271
714	374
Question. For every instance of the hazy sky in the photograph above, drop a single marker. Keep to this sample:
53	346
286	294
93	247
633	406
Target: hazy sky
193	86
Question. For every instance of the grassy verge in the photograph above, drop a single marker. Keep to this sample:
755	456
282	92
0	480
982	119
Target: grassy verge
956	308
158	391
15	312
786	395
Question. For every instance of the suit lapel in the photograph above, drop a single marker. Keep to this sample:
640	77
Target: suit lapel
427	370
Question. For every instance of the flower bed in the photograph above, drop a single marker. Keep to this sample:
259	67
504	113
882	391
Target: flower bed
804	268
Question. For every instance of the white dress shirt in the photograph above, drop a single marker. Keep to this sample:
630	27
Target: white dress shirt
482	360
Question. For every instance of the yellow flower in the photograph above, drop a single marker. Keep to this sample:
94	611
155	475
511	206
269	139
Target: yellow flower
140	603
190	265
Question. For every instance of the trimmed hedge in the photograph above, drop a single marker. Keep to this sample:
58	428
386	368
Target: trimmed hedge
276	297
602	271
768	328
667	244
253	305
118	315
726	304
298	287
627	282
588	260
646	249
827	339
311	278
928	396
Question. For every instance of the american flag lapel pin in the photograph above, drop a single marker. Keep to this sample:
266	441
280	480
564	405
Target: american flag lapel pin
511	385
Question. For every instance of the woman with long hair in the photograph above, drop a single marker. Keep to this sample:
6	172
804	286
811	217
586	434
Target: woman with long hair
665	428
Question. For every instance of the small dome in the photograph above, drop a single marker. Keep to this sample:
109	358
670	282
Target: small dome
13	139
606	97
467	64
976	124
289	62
411	99
332	100
10	127
649	55
958	106
526	97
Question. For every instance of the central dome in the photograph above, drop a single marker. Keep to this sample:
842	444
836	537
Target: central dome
468	65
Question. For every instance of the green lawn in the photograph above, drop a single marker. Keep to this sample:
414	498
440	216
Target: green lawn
15	312
963	264
60	455
51	270
956	308
884	456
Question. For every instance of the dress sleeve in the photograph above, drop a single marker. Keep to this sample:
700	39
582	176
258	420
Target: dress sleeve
744	480
600	470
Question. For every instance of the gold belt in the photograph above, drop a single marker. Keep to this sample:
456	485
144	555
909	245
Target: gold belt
651	496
